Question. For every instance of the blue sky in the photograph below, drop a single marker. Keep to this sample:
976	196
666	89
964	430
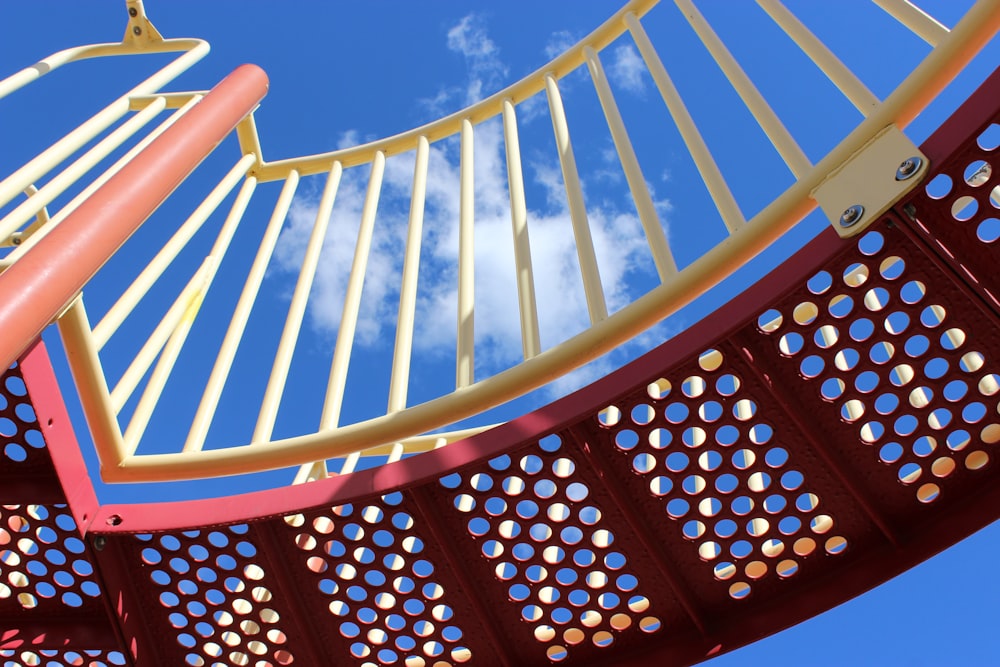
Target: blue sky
347	72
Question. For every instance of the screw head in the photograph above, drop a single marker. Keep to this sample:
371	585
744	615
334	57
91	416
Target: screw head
100	542
132	11
137	30
852	215
908	168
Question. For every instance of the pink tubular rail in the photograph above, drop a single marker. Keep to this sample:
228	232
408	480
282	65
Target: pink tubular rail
36	289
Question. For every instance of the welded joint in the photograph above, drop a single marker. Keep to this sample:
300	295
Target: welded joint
140	30
870	181
246	133
17	238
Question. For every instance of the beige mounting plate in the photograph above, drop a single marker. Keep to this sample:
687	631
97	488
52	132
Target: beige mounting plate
869	179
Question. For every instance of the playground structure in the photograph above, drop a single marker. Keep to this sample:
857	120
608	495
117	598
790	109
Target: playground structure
824	431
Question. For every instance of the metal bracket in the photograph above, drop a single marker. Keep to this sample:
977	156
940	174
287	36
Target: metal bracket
139	30
854	195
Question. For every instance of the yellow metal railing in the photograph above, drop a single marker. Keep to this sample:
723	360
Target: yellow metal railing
404	427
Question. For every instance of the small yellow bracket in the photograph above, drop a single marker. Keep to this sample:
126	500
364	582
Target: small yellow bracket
874	178
139	30
41	218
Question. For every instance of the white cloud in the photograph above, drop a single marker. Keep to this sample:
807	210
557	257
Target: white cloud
618	239
559	42
627	69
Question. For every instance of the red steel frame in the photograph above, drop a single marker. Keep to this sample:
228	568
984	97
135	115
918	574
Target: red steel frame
797	465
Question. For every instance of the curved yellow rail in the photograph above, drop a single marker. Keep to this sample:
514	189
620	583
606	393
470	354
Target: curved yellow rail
400	430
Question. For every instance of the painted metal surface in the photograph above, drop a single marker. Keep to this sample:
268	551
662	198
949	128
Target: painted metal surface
127	456
829	428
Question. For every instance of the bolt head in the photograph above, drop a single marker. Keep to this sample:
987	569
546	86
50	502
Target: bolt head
908	168
851	215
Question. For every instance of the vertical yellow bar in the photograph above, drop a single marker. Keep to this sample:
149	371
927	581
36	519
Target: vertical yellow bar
655	237
465	344
592	287
400	378
732	217
352	299
530	339
241	314
297	309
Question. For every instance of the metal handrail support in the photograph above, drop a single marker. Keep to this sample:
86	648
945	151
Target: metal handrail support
46	279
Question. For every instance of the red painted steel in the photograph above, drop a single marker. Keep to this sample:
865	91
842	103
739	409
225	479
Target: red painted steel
831	427
46	279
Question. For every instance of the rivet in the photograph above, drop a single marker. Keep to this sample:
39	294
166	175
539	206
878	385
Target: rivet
100	542
132	11
852	215
908	168
137	30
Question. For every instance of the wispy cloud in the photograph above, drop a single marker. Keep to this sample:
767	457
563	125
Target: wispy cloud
627	69
618	239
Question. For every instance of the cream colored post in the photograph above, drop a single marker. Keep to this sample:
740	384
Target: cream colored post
732	217
30	207
149	275
85	364
400	379
334	400
592	287
822	57
297	309
530	339
766	118
465	333
917	20
168	358
157	340
241	314
666	267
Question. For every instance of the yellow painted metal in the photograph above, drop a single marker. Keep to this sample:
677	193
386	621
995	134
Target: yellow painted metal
193	51
465	331
868	179
17	238
58	184
451	125
920	22
99	181
238	322
666	267
400	378
923	84
527	306
719	190
334	400
822	57
592	287
297	309
395	434
85	364
151	273
190	303
765	116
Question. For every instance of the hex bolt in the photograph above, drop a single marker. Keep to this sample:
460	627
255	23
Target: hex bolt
852	215
908	168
